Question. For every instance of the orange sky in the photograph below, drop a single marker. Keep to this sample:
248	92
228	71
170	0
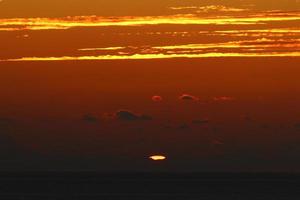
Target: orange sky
78	78
36	8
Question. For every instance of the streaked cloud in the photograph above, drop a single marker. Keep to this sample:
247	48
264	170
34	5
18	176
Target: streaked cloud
258	43
104	48
183	7
271	32
229	32
155	56
210	8
14	24
262	47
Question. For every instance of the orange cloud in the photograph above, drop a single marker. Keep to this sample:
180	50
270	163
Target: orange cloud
188	97
156	98
223	98
155	56
210	8
180	19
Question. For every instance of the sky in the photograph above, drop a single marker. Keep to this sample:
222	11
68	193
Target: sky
56	8
106	85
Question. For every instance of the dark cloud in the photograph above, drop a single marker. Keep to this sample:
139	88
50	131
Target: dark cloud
247	118
127	115
188	97
5	121
90	118
183	126
167	126
200	121
297	126
265	126
217	142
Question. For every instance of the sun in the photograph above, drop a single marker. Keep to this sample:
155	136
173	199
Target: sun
158	157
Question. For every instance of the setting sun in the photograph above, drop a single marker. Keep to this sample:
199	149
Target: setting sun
157	157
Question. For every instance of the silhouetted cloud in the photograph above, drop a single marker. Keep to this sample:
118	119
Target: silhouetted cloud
5	121
297	126
183	126
264	126
247	118
217	142
188	97
200	121
130	116
90	118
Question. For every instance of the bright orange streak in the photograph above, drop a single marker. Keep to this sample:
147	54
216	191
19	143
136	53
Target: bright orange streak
157	56
96	21
157	157
266	43
215	8
262	44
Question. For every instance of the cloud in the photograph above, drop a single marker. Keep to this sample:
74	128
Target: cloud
157	98
183	8
209	8
157	56
265	126
6	121
179	19
90	118
247	118
220	8
259	47
127	115
200	121
237	39
188	97
217	142
183	126
297	126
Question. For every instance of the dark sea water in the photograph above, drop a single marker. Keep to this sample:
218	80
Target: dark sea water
93	185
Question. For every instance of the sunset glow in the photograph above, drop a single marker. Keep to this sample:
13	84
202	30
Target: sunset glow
230	32
180	19
96	85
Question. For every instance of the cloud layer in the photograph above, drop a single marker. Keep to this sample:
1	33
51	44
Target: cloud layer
205	31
